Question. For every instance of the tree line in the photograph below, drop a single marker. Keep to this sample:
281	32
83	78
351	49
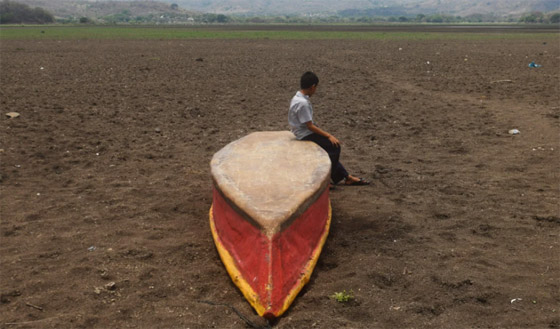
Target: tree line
18	13
178	18
535	17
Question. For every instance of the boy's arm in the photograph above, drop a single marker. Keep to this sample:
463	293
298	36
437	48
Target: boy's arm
321	132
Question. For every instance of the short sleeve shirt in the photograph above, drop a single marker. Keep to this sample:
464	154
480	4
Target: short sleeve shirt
300	113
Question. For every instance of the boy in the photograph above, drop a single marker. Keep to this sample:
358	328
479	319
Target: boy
300	118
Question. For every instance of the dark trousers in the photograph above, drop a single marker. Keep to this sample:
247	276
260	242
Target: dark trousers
338	172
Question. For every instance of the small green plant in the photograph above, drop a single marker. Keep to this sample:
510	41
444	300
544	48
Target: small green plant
343	296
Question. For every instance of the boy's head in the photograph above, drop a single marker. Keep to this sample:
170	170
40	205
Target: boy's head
308	80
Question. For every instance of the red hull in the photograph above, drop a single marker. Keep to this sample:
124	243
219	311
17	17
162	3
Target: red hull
270	271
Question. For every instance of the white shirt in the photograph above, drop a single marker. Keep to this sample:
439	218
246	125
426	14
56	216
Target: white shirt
299	114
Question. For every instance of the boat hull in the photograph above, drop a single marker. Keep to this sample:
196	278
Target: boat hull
270	270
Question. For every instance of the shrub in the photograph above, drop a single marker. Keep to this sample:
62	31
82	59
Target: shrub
343	296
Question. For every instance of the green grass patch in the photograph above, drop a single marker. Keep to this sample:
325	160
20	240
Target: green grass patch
343	296
168	33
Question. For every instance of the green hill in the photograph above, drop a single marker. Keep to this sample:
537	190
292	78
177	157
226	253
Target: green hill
114	11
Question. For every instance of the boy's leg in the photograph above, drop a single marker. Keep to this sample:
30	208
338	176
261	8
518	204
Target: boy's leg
338	172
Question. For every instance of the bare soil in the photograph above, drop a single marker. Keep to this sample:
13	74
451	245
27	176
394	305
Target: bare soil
105	184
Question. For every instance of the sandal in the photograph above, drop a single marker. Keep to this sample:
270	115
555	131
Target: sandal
361	182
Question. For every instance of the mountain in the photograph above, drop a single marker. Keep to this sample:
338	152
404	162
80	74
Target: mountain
178	11
372	7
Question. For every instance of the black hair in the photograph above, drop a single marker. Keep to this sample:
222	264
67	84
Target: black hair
308	79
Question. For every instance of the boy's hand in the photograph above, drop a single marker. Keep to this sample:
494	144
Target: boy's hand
334	140
321	132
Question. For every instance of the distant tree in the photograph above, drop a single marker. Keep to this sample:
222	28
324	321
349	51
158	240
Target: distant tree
279	19
555	18
256	20
534	17
66	20
474	18
540	16
437	18
528	19
222	18
209	18
13	12
174	6
84	20
42	16
364	19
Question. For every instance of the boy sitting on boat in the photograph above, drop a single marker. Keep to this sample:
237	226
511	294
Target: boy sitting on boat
300	118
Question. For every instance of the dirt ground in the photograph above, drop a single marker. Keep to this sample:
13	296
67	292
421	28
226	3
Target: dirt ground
105	184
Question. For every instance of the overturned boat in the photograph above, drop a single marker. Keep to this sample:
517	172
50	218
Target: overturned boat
270	215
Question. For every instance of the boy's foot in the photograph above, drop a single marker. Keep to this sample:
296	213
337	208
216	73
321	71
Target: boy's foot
355	181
